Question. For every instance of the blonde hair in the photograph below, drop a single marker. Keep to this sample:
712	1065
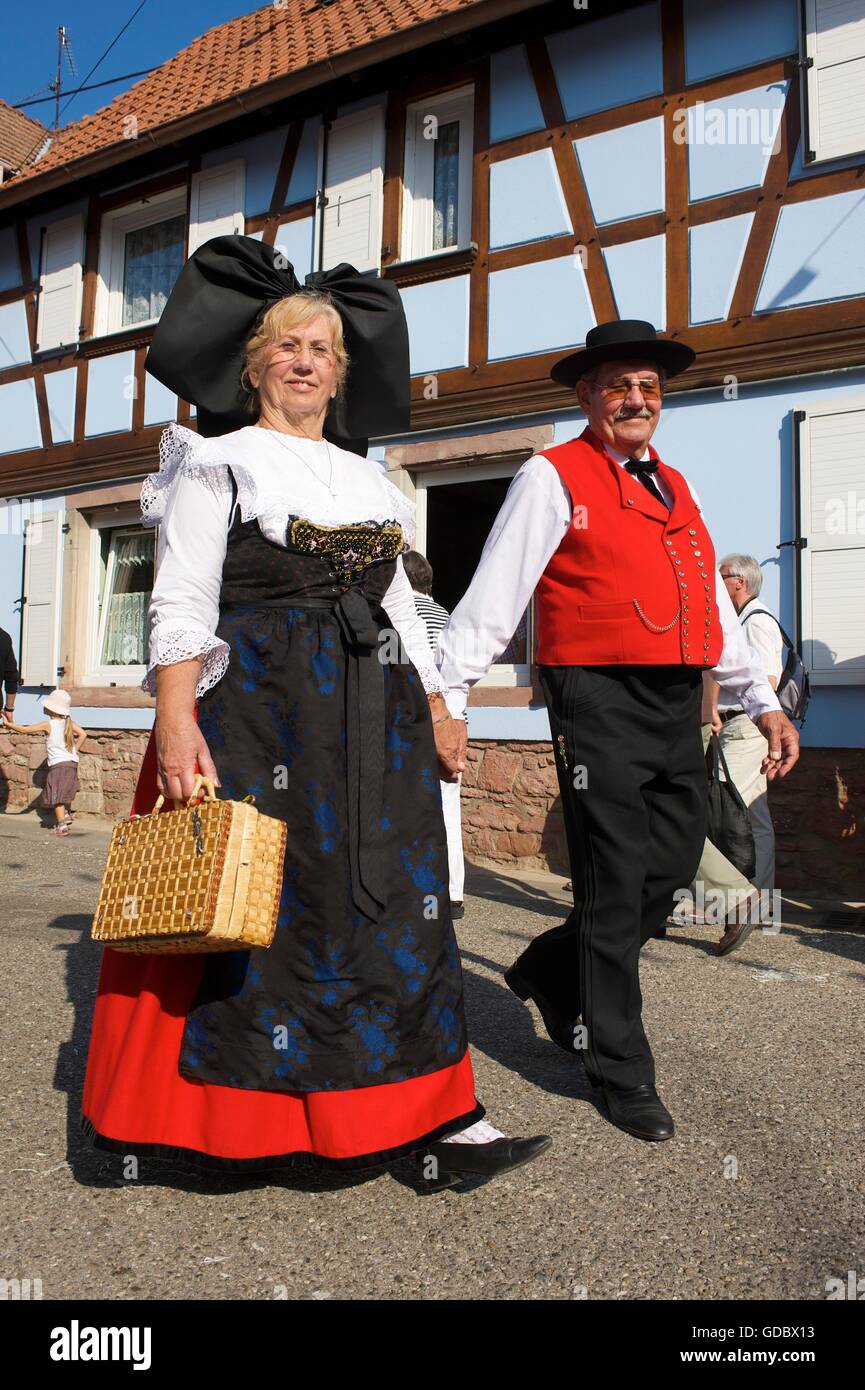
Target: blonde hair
294	311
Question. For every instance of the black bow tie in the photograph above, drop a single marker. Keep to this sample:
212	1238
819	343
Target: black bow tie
643	469
642	466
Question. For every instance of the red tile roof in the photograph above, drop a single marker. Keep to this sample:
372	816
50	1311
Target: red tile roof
232	59
20	135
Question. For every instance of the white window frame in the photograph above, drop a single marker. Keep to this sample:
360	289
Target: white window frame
115	224
501	676
811	128
121	519
417	220
854	404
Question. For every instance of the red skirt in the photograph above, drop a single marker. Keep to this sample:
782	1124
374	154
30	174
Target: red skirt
136	1100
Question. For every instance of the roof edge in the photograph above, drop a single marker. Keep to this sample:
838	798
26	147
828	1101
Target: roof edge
277	89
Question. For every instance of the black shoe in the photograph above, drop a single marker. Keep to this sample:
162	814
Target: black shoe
560	1030
457	910
660	932
638	1110
498	1156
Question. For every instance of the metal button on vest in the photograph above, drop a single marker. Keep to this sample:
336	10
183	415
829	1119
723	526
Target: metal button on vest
630	501
691	531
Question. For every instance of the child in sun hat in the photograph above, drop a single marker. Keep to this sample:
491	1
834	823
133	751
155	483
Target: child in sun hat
64	739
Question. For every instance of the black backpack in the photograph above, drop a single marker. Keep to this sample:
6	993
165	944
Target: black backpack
794	687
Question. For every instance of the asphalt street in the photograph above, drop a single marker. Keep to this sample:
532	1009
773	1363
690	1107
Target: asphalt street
760	1194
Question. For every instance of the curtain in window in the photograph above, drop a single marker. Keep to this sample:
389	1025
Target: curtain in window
446	178
125	640
154	256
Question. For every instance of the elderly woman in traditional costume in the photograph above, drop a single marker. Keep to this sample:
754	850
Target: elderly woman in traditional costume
279	572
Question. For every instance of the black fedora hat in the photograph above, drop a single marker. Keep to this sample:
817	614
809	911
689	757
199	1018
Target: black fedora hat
621	341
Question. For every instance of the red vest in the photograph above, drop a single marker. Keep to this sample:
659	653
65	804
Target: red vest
631	583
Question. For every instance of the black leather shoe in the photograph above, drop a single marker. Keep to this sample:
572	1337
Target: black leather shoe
638	1110
660	932
499	1156
458	910
560	1030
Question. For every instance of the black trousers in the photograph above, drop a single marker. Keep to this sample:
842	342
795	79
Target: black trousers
629	756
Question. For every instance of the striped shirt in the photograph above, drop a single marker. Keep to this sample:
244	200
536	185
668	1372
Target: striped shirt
434	616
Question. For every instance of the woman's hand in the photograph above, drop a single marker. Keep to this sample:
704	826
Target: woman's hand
450	739
180	744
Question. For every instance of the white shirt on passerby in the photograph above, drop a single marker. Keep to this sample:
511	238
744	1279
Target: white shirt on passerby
55	744
764	638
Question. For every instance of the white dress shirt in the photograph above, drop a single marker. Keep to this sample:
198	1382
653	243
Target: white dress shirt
525	535
278	476
764	638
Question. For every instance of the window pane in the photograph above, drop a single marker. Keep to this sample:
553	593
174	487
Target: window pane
446	178
154	256
124	642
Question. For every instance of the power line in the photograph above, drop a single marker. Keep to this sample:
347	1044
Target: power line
37	101
110	46
40	142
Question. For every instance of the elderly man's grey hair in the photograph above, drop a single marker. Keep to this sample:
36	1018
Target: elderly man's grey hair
747	568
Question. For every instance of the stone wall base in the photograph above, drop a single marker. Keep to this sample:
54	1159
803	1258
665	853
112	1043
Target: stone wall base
512	815
107	772
511	809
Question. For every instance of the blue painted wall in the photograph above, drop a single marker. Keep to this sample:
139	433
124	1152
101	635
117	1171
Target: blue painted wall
514	105
608	61
721	38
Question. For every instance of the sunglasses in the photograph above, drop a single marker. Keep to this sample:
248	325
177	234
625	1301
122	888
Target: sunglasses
649	387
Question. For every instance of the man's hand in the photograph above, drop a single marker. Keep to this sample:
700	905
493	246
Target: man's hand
783	740
450	740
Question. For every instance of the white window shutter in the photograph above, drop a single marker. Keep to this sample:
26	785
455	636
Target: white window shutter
353	190
832	487
216	203
42	538
58	319
835	86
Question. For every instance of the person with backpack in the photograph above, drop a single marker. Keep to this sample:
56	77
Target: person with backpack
742	743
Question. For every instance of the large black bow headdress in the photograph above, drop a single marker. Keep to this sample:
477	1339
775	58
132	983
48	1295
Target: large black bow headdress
221	292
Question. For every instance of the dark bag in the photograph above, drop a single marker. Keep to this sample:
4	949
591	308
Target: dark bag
729	824
794	687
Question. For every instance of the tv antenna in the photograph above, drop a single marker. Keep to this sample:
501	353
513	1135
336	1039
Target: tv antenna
63	47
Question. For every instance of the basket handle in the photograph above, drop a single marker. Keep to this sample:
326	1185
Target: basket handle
200	782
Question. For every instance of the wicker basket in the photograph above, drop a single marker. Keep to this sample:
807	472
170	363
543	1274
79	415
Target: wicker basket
206	876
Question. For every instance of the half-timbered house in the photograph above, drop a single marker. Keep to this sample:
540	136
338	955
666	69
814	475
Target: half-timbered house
521	171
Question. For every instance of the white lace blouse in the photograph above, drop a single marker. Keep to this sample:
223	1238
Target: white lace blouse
278	476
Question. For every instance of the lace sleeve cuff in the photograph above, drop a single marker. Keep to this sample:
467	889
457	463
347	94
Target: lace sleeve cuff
431	680
181	644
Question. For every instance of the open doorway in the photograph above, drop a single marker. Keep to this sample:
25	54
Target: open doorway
460	516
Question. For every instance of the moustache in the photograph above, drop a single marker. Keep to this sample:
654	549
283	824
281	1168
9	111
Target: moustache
643	414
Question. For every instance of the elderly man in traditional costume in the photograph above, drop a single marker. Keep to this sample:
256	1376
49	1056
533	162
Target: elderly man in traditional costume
630	612
279	569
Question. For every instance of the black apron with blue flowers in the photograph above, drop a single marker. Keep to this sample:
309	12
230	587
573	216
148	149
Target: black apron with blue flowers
319	718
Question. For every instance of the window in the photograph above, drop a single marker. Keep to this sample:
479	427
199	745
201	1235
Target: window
834	86
832	511
123	574
437	211
456	509
143	249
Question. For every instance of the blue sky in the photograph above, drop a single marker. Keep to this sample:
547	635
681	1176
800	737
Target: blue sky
28	55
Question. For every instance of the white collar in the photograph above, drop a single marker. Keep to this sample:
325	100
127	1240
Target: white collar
623	458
